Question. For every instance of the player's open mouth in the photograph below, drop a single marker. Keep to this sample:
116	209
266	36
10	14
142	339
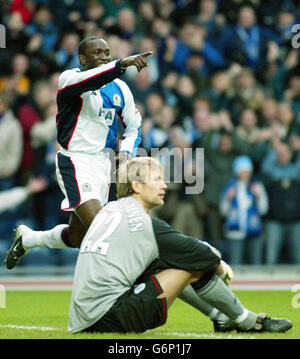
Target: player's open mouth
102	62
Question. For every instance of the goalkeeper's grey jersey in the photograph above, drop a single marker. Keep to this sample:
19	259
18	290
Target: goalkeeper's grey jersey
118	247
123	246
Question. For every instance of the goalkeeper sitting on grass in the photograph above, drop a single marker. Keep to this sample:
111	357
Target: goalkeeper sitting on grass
131	267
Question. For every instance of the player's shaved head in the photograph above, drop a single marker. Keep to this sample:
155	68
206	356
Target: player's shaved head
93	52
85	42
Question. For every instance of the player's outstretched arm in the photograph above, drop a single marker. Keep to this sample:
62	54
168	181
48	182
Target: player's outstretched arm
74	83
139	60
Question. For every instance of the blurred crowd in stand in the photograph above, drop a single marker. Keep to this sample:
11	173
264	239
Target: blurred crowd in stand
224	77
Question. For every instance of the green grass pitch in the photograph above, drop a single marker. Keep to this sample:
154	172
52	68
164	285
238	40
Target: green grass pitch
44	315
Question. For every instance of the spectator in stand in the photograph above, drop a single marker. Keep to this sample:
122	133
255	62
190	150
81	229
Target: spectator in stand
43	25
196	70
11	143
230	9
95	13
243	202
292	94
113	7
17	40
25	8
268	113
295	129
146	15
246	42
158	135
218	91
246	93
203	120
165	8
142	86
29	113
125	26
145	44
268	10
120	48
175	52
154	103
208	17
279	80
247	126
66	56
268	121
257	137
248	129
68	14
285	121
44	131
185	93
282	174
168	86
287	17
19	81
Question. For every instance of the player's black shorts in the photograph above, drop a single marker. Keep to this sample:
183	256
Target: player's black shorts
136	310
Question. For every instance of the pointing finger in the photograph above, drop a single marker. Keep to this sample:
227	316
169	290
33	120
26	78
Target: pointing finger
146	54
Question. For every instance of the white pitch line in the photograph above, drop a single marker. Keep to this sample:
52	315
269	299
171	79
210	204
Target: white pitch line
175	334
202	335
29	327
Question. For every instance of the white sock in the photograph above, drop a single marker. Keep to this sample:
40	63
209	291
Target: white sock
213	314
51	238
221	297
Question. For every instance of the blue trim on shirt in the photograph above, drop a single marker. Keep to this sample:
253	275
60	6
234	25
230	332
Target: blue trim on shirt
107	93
137	142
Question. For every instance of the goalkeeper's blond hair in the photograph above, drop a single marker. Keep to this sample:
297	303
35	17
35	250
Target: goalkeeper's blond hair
136	169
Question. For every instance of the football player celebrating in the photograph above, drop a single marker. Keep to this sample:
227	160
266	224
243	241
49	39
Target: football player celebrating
82	163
